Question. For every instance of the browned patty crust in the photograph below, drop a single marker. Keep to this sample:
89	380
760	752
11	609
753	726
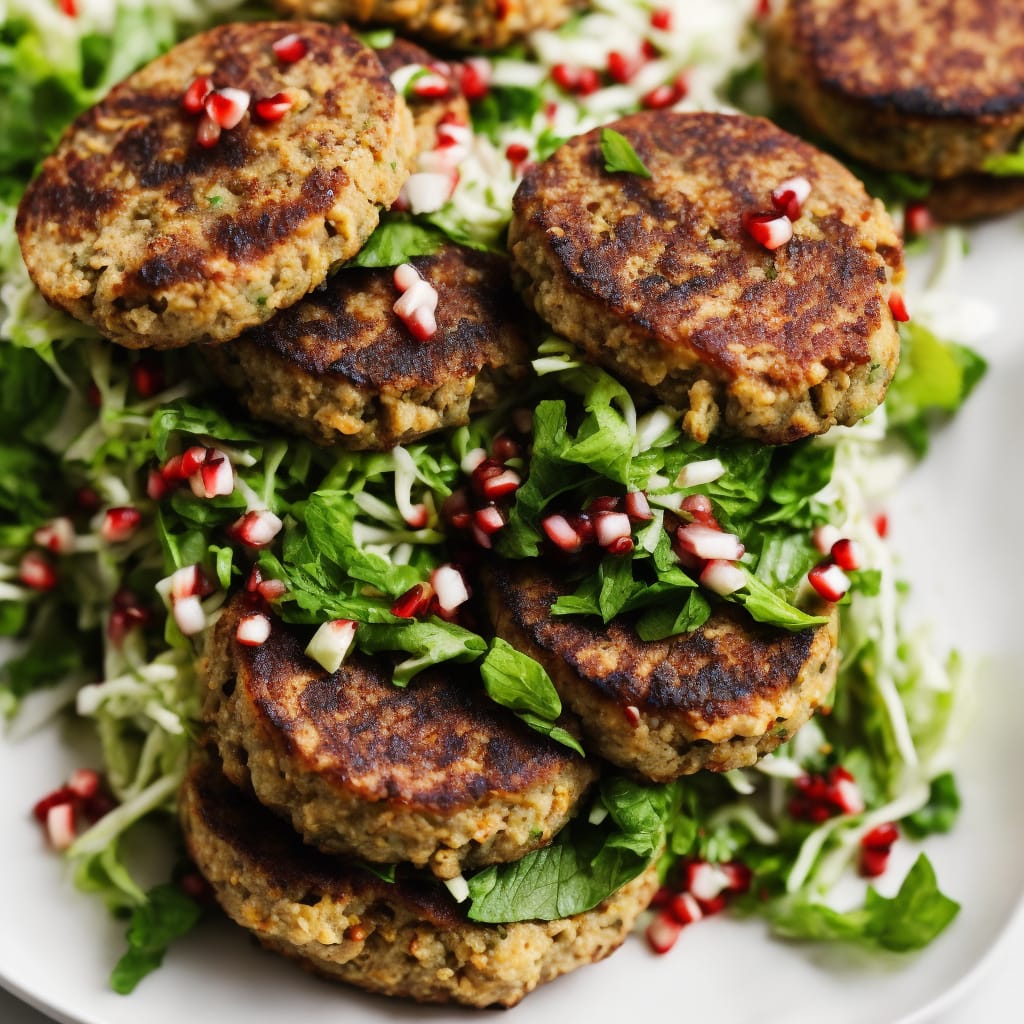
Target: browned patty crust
427	111
718	697
341	367
659	280
134	227
434	773
407	938
932	88
465	24
970	197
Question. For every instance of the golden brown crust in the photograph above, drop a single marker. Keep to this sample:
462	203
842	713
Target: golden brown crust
659	280
431	773
932	89
134	227
407	938
341	367
971	197
464	24
718	697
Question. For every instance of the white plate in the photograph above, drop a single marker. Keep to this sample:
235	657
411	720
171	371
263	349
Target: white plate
956	522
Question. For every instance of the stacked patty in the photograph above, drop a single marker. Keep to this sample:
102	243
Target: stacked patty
937	91
658	278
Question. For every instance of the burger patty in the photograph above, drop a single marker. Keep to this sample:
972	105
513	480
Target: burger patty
464	24
433	773
658	279
341	367
406	938
135	227
718	697
934	89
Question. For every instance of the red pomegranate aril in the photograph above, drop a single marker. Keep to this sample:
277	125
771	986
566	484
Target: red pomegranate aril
290	48
772	230
873	862
475	78
189	616
847	554
881	524
69	7
196	93
722	577
561	534
60	826
588	82
663	931
331	643
621	546
254	580
449	587
501	485
715	906
825	537
632	715
917	219
192	460
603	503
189	581
455	509
405	276
227	107
488	520
707	542
661	19
36	572
660	97
272	590
273	108
610	527
699	506
504	448
881	837
417	517
637	507
662	897
120	523
649	49
257	529
253	630
622	68
208	132
481	538
829	581
61	795
705	880
57	536
431	86
565	77
414	602
147	377
898	306
517	152
86	499
738	876
216	476
685	908
790	196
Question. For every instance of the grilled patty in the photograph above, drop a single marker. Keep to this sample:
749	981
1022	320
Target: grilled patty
464	24
933	88
157	241
718	697
657	278
434	773
406	938
341	367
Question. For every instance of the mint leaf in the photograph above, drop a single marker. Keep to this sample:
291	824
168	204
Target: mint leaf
619	154
941	811
1005	165
397	239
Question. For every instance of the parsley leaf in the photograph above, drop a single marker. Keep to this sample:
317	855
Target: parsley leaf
619	154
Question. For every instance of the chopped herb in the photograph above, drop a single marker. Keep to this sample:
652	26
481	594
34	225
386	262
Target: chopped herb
619	154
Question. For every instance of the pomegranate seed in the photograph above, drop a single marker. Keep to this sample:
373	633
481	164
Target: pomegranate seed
565	77
196	887
696	474
588	82
660	97
208	132
61	795
196	93
429	191
189	581
829	581
650	50
707	542
420	323
253	629
273	108
632	715
738	876
790	196
69	7
455	509
683	906
192	460
483	471
847	554
60	826
504	448
189	615
86	499
516	153
898	306
215	478
147	377
36	572
661	19
873	862
610	527
475	78
881	837
482	539
772	230
431	86
417	517
488	520
84	783
561	533
881	525
271	590
825	537
256	529
708	881
414	602
918	219
637	507
621	546
57	536
722	577
846	792
450	587
763	8
709	907
502	484
120	523
227	106
331	644
699	506
290	48
663	932
622	68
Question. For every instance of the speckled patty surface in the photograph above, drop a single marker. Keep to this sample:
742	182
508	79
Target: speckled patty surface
659	280
718	697
434	773
469	24
134	227
407	938
341	367
932	87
